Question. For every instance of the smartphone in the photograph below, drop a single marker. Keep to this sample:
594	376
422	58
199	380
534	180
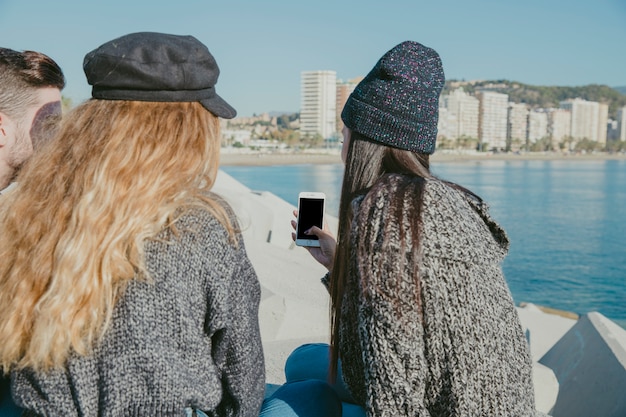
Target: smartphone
311	207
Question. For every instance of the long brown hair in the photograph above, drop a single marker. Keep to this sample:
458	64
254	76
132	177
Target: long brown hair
73	232
366	163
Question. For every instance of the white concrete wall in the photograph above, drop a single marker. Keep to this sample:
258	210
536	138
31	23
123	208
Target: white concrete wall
589	362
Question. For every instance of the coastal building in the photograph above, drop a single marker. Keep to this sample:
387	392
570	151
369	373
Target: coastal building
231	137
588	119
559	125
621	123
537	125
603	121
318	103
344	89
612	133
492	119
445	125
517	125
460	117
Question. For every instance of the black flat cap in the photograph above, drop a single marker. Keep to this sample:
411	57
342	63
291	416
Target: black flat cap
149	66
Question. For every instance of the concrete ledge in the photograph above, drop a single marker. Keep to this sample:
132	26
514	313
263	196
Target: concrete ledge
589	362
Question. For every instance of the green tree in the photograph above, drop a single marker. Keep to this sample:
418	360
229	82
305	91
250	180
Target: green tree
588	145
66	103
615	146
541	145
467	142
445	143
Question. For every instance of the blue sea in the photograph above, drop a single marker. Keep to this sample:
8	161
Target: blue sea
566	220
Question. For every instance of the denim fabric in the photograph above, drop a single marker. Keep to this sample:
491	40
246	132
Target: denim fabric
189	412
310	362
310	398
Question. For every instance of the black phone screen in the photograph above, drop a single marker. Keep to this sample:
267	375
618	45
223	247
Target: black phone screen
311	213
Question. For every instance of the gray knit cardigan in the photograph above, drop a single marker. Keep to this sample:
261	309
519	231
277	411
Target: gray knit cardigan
189	338
465	354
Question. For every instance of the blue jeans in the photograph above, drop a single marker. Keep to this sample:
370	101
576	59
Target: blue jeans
310	398
309	363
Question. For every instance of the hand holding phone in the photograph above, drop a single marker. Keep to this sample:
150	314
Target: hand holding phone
311	207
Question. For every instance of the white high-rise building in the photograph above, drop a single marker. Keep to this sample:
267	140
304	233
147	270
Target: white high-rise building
603	122
492	125
621	123
517	123
461	115
318	103
559	125
537	125
445	123
586	117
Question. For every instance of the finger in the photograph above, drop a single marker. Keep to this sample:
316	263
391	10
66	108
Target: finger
315	231
293	237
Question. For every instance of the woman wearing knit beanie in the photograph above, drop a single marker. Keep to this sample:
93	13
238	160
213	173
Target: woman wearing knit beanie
422	320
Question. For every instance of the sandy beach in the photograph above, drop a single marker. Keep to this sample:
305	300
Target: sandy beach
333	157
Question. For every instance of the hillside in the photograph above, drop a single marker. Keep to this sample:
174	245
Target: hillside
545	96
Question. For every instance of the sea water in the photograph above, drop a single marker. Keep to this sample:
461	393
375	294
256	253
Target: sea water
566	220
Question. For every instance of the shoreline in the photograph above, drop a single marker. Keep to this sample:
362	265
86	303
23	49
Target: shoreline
249	162
322	157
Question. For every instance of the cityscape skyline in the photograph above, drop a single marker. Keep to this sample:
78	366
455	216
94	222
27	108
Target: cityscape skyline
262	47
484	119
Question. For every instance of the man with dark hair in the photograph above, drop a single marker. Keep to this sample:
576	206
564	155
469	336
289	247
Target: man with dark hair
30	107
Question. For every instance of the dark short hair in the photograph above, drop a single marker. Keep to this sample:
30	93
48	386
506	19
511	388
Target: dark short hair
21	74
34	68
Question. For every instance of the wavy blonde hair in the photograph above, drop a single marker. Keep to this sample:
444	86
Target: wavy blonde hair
73	232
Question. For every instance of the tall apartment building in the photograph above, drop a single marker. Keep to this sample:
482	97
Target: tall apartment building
589	119
603	122
517	124
344	89
537	125
492	118
559	125
621	123
460	117
444	122
318	103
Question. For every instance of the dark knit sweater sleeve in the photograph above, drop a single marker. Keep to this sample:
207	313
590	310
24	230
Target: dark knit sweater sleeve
390	330
186	336
237	351
428	326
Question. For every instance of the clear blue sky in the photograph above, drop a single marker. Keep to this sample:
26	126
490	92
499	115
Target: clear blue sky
262	46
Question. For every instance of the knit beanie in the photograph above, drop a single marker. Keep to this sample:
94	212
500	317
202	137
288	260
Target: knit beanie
397	103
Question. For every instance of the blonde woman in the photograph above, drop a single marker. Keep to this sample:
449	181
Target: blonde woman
125	288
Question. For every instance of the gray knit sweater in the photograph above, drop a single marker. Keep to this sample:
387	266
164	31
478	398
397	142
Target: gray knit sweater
466	355
188	339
